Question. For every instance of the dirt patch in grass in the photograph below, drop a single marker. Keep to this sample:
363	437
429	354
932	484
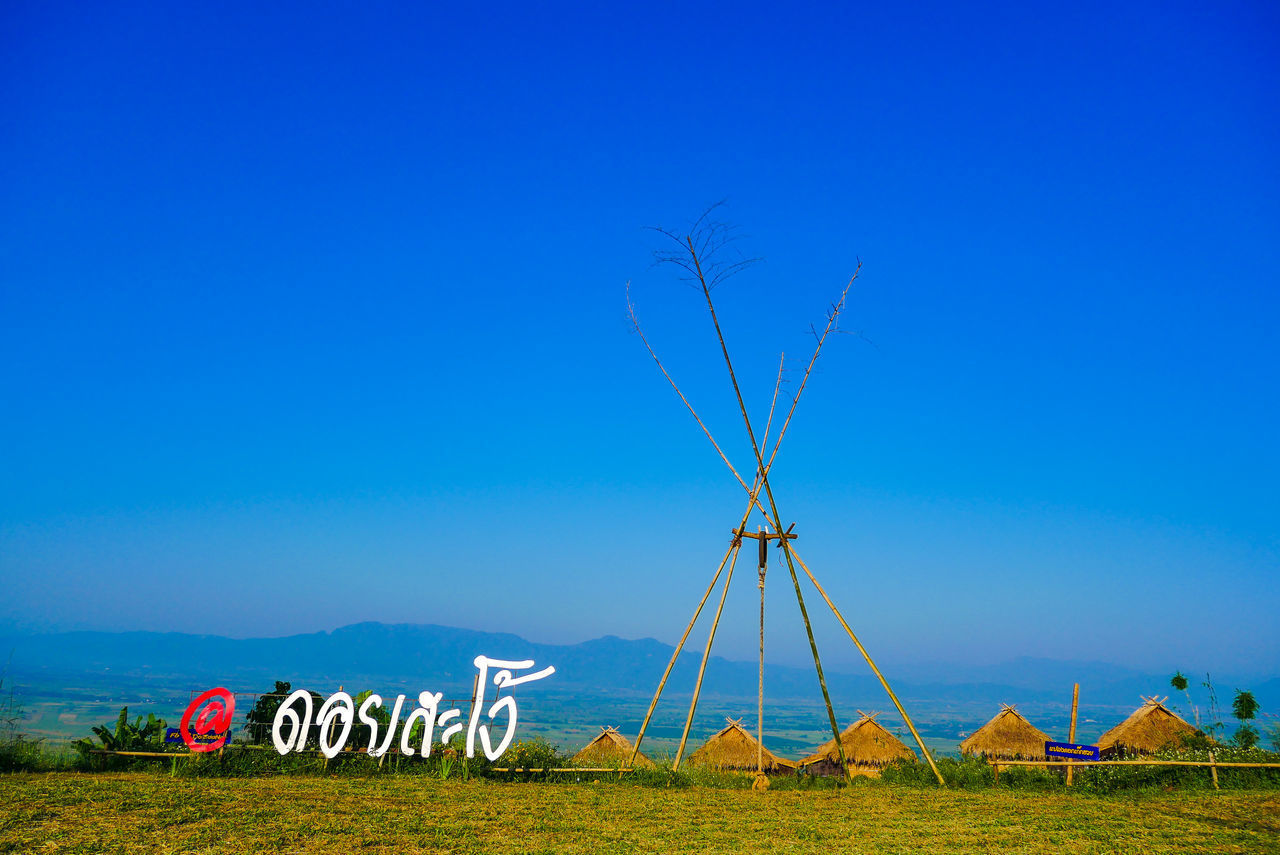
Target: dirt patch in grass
138	812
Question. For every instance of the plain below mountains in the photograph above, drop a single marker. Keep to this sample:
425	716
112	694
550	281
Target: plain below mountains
440	657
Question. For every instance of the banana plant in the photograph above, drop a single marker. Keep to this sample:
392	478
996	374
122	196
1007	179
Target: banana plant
138	735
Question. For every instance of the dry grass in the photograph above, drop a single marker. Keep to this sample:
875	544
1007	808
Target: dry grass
138	812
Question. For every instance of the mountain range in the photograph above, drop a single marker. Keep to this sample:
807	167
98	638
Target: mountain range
428	655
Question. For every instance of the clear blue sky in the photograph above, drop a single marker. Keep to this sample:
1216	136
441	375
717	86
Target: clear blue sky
319	309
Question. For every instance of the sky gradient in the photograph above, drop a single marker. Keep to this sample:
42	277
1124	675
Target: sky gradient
315	314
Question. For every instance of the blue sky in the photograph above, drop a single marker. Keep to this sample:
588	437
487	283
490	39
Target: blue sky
321	308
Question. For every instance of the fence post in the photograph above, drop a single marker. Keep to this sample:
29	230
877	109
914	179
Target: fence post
1213	770
1071	737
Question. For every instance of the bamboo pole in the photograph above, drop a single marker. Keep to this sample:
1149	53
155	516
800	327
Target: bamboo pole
817	663
874	669
595	769
706	655
1071	734
760	697
635	322
737	541
1200	763
764	479
1213	771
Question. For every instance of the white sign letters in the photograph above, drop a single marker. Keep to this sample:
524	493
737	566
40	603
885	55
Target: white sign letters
337	716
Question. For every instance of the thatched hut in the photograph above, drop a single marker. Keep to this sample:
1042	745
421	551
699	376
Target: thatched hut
1150	728
610	749
735	749
868	748
1009	736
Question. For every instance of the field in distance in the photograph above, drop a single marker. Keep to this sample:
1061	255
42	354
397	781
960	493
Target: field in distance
67	813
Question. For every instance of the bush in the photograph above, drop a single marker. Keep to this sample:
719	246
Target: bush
968	773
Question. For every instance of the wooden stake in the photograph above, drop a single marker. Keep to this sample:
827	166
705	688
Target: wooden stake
874	669
1213	771
706	655
1071	734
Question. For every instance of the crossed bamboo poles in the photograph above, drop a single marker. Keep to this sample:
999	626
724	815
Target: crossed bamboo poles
694	264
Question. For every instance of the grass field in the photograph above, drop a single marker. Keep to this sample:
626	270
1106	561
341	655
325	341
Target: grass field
141	812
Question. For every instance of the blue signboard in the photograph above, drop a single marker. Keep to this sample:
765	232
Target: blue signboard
173	737
1068	751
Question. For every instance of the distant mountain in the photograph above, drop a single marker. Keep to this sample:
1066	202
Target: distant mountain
420	656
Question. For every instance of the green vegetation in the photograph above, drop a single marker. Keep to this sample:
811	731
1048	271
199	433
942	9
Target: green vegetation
149	812
141	735
17	751
1245	708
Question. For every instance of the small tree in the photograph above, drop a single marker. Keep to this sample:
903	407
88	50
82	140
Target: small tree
1179	683
259	720
1245	708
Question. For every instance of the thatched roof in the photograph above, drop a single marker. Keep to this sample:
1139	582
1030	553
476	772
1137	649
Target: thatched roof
866	743
610	749
734	748
1008	735
1151	727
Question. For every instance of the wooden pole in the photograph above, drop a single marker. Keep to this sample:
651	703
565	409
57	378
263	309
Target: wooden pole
764	479
1071	734
737	541
874	669
760	697
706	655
1213	771
817	663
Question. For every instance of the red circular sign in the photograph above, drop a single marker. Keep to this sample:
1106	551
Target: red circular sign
215	718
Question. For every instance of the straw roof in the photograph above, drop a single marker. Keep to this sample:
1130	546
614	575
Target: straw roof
1150	727
1008	735
611	749
734	748
866	743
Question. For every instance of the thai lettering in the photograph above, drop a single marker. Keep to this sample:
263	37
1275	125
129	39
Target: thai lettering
337	716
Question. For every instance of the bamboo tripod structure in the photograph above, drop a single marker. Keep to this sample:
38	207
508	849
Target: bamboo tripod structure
693	256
